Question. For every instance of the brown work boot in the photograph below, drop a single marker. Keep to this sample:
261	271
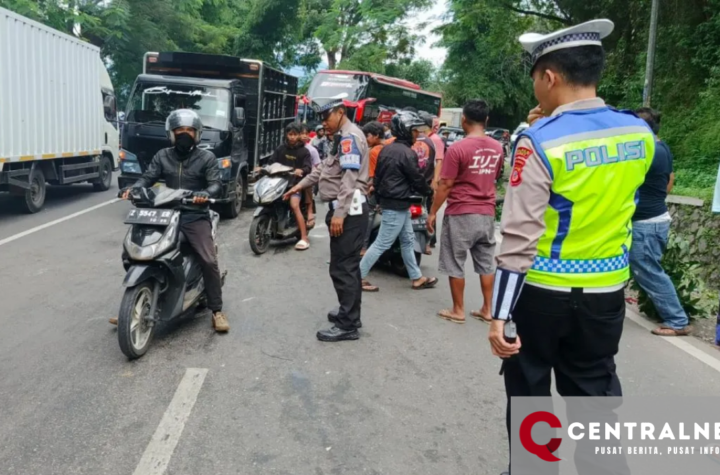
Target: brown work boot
113	321
220	322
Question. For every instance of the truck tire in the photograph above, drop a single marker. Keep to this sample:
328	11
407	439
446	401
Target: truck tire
104	181
32	199
232	210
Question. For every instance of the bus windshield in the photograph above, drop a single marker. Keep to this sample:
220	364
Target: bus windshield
336	86
154	102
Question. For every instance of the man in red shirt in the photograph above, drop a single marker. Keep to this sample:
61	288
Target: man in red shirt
467	183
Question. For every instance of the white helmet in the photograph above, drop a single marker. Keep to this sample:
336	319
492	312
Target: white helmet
183	118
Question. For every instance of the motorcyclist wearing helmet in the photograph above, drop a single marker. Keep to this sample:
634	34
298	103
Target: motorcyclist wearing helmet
320	142
397	178
185	166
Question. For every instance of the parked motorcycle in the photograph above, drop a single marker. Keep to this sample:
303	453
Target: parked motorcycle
164	279
273	218
393	256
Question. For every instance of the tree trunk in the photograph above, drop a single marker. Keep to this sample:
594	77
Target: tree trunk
332	59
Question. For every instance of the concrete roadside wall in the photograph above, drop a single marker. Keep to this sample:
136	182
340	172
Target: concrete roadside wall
693	221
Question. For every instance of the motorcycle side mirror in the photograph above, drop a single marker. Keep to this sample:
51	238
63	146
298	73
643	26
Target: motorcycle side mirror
239	117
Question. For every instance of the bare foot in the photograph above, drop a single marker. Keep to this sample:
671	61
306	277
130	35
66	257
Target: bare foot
451	317
482	315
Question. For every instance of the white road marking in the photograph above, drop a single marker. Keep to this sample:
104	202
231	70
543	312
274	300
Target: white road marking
57	221
157	455
678	342
248	299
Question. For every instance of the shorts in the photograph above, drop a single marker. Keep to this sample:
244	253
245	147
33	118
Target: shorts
467	232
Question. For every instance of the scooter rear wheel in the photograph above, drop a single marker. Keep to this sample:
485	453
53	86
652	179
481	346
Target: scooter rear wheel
134	331
260	234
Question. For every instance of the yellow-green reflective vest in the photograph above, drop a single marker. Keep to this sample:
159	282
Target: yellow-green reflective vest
597	159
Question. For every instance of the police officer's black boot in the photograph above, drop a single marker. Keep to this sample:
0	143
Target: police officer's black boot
333	316
335	334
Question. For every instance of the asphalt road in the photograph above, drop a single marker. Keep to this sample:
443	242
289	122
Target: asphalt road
415	395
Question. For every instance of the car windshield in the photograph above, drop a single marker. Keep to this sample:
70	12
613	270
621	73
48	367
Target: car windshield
154	102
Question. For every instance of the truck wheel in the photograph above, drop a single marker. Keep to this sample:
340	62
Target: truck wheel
32	199
232	210
103	182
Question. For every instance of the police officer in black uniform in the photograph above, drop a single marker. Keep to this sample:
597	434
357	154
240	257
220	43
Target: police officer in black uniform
342	180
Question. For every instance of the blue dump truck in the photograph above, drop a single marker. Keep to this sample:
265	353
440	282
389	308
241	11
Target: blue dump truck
244	105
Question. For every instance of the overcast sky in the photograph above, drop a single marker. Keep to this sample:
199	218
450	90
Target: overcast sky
434	18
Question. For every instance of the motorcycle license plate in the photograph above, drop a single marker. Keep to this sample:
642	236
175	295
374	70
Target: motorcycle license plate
159	217
419	222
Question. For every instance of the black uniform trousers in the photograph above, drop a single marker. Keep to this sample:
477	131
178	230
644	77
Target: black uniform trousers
574	334
345	267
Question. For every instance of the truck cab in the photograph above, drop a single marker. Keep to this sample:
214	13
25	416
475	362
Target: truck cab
239	105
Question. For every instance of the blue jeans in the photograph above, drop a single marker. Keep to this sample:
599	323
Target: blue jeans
648	244
394	223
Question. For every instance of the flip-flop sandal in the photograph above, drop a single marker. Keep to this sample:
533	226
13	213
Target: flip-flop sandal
428	284
668	331
368	287
311	223
447	315
302	245
479	316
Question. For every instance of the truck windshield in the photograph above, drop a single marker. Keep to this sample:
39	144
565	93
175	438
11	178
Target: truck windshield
337	86
154	102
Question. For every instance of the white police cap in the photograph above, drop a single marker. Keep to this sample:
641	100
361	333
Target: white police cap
588	33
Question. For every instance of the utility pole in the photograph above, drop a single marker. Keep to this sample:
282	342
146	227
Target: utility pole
650	66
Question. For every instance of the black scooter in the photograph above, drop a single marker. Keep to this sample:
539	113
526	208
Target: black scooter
393	256
164	278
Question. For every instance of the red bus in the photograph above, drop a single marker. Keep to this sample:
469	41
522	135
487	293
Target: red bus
370	96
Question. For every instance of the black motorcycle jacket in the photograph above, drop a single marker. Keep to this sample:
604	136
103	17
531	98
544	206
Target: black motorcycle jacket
198	172
398	177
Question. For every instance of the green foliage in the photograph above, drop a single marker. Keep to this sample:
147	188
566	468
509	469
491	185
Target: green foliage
360	34
371	29
686	275
485	60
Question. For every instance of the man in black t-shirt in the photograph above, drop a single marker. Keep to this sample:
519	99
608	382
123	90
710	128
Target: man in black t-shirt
651	225
292	153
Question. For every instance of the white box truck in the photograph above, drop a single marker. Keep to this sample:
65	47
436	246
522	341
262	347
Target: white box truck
451	116
58	118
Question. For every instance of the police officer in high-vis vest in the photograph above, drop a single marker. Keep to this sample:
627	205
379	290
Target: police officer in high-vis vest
566	224
342	180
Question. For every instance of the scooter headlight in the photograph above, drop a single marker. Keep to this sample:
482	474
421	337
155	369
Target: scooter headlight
153	243
270	189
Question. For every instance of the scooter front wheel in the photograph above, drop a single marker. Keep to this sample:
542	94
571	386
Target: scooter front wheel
134	331
260	233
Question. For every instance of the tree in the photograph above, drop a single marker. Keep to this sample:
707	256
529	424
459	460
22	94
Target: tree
370	28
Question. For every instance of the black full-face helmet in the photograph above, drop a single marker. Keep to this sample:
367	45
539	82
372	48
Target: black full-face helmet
403	123
183	118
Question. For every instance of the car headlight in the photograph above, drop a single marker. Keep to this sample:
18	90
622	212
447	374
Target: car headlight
130	167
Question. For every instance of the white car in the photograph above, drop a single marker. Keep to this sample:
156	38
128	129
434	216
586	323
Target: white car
518	131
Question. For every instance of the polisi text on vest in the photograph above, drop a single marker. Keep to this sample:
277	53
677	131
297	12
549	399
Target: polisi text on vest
600	155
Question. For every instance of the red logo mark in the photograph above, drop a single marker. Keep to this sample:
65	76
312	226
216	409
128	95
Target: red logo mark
346	146
521	156
545	452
